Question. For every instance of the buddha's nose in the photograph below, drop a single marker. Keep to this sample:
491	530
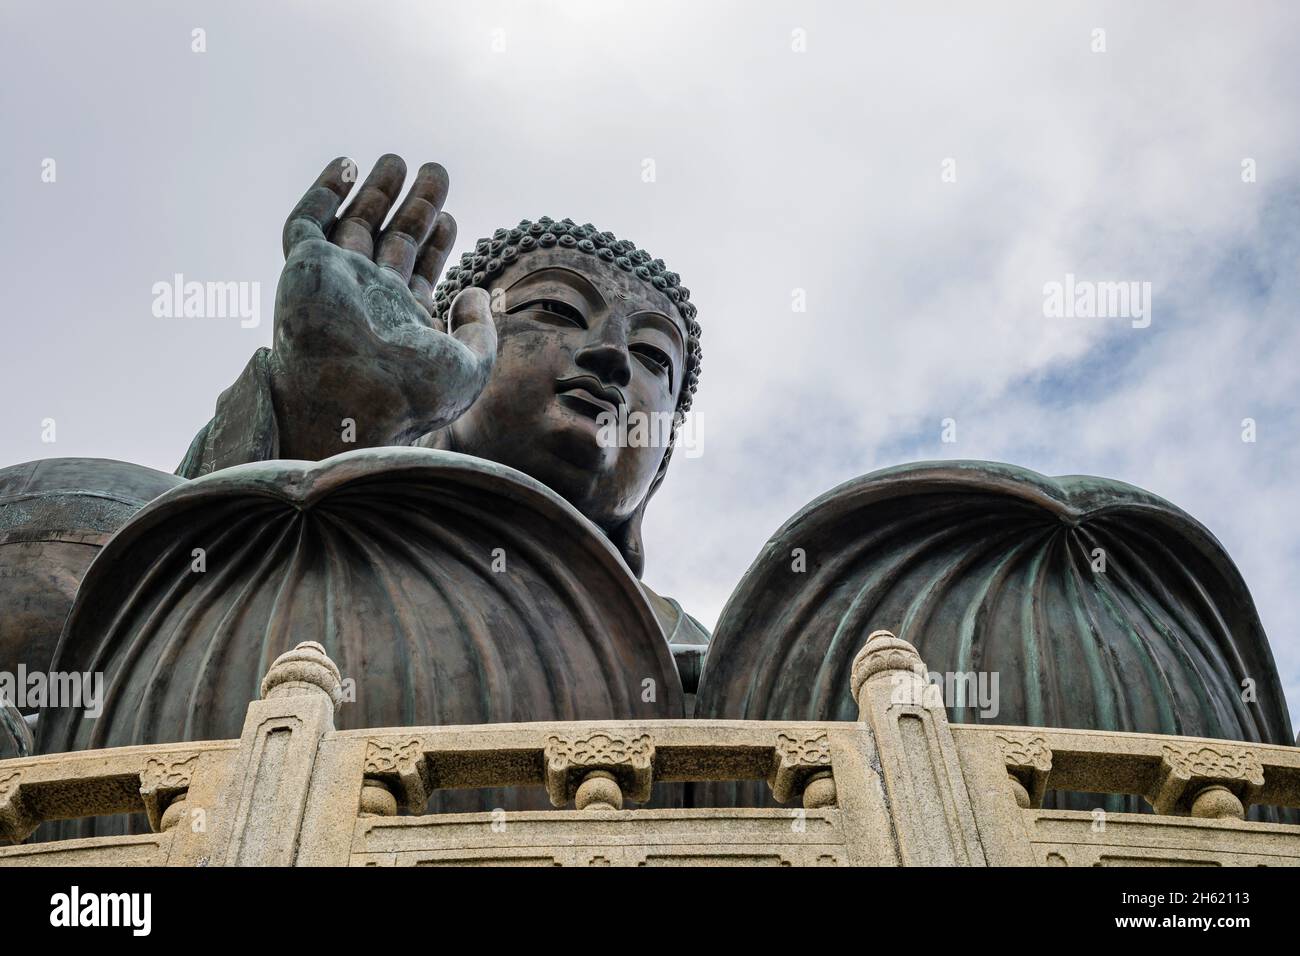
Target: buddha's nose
607	360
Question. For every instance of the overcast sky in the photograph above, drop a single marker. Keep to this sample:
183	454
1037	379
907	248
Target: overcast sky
794	147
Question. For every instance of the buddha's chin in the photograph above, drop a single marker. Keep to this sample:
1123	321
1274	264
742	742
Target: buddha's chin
574	439
577	463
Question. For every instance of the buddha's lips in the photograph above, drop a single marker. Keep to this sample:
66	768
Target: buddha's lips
590	395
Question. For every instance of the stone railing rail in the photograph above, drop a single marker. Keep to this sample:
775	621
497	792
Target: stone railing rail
900	786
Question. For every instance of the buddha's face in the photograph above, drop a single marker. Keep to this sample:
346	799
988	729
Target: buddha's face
580	344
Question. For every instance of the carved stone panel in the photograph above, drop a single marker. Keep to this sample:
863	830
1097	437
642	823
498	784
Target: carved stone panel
403	764
1029	760
569	759
15	822
796	758
161	780
1185	770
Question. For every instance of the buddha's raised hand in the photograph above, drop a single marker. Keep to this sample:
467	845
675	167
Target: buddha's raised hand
354	336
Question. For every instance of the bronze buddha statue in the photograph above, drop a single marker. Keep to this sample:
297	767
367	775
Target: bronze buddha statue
552	326
418	477
508	371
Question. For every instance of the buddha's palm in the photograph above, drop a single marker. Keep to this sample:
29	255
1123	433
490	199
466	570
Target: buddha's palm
355	340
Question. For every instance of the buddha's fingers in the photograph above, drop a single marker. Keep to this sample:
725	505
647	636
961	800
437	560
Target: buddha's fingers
429	263
313	217
414	220
360	222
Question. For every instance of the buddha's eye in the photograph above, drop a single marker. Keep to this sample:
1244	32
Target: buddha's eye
654	359
553	310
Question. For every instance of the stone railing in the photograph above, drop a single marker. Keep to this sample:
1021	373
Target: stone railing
898	787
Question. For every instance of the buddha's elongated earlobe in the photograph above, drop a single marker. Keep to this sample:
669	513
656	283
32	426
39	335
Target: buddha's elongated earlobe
627	538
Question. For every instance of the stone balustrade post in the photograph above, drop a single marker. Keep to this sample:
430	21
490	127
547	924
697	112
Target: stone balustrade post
266	796
928	801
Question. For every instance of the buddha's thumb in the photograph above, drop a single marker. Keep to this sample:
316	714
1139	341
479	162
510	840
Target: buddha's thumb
470	321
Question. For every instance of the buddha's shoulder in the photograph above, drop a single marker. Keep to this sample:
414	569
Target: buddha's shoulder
678	626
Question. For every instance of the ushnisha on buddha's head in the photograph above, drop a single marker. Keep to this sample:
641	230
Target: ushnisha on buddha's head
598	346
